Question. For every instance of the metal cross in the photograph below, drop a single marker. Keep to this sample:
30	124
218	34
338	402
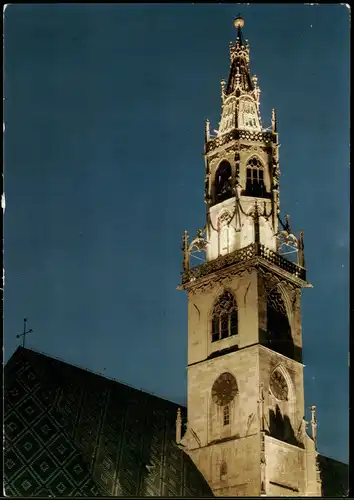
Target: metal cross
24	332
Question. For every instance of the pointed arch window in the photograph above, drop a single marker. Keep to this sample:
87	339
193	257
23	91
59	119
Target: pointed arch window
278	326
223	189
248	114
228	117
224	318
255	178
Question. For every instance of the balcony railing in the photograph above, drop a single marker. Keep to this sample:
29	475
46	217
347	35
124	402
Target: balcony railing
246	253
214	143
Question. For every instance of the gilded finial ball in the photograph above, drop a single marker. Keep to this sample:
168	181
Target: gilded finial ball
239	22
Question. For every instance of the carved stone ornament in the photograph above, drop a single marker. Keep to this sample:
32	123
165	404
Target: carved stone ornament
271	280
215	157
254	148
199	243
263	137
225	218
222	280
278	385
247	147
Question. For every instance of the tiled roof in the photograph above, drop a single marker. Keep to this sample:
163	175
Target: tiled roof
69	432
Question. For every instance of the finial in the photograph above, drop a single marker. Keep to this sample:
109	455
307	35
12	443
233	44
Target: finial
223	83
274	121
207	130
239	22
185	251
185	239
301	258
178	426
256	208
314	424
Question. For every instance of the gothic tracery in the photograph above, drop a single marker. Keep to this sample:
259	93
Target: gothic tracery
255	178
224	318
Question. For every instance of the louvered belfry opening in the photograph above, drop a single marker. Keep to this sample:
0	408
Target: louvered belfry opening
278	327
223	190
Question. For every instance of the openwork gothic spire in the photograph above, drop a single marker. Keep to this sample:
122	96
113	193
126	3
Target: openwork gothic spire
239	77
240	95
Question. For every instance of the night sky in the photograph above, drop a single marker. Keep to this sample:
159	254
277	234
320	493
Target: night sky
104	110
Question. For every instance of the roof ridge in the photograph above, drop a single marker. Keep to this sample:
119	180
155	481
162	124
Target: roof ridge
97	374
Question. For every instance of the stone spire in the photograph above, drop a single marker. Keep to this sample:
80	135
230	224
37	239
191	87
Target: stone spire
240	96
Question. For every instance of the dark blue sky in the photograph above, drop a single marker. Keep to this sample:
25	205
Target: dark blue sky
104	109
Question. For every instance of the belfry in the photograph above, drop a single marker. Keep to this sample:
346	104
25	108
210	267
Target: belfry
246	430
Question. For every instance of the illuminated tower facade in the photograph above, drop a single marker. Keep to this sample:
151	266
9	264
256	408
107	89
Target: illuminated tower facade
246	430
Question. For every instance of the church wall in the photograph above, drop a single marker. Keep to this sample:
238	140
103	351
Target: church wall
294	407
292	301
312	480
285	471
204	416
242	458
200	307
246	292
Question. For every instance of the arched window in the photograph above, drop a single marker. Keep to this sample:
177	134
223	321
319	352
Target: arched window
226	415
248	117
223	182
224	320
228	117
278	327
255	178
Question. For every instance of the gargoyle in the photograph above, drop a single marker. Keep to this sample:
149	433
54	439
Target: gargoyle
199	242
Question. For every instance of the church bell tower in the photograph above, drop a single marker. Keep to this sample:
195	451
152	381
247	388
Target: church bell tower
246	430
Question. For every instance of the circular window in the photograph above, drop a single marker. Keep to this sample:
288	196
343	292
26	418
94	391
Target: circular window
278	386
